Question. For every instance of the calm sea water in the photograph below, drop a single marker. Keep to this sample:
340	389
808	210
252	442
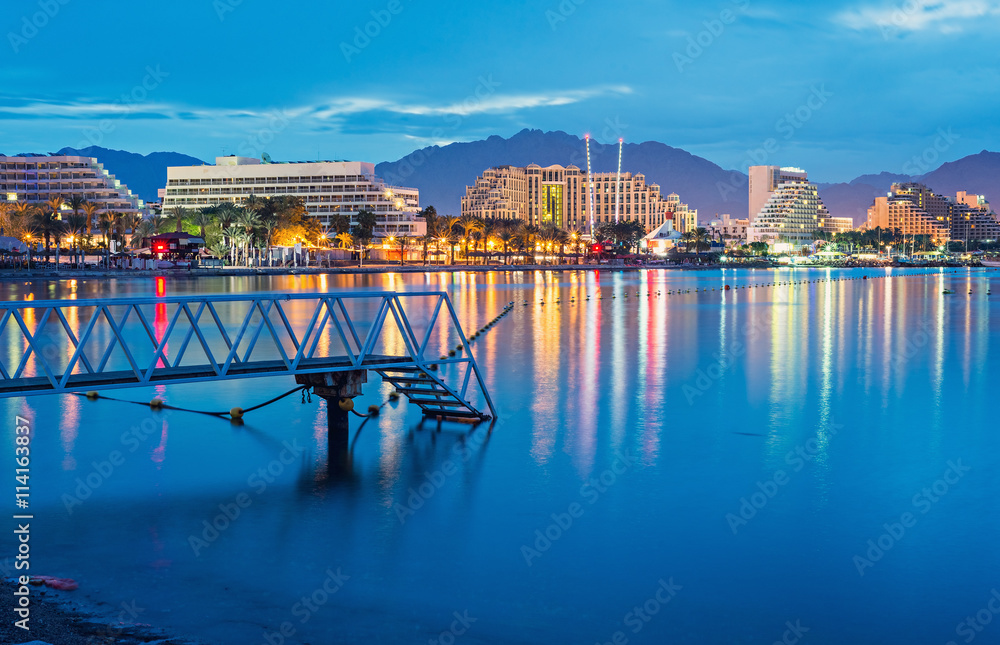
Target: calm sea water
814	461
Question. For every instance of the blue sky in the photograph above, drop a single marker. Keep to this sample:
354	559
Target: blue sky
842	88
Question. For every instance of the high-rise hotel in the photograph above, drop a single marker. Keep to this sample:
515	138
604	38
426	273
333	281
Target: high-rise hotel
915	209
36	180
558	195
327	188
785	208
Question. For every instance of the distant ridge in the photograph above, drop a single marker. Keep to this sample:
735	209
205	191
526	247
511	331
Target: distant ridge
442	173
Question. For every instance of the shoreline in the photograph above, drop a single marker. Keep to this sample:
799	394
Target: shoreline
73	274
64	618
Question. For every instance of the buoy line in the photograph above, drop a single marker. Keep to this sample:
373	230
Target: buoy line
234	413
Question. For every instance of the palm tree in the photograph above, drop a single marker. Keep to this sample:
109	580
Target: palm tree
247	219
346	240
76	202
526	236
178	214
506	235
700	239
470	225
446	229
201	219
51	222
89	210
144	229
6	209
106	224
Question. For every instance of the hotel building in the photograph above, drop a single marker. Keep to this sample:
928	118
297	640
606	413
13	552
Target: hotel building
764	180
558	195
791	215
35	180
916	210
327	188
973	219
727	228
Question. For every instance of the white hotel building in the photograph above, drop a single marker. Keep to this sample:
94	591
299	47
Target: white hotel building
36	180
327	188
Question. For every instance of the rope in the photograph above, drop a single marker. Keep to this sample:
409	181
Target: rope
167	406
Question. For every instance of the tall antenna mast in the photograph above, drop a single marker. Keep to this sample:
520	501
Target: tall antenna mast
590	187
618	182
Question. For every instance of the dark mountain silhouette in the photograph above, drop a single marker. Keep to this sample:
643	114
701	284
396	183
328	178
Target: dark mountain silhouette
442	173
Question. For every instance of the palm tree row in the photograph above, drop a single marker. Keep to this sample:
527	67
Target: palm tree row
483	238
49	221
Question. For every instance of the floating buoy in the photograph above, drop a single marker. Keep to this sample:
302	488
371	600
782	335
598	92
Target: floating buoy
156	404
92	395
451	353
373	410
346	404
236	413
394	395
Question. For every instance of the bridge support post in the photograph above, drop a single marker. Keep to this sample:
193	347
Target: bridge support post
335	387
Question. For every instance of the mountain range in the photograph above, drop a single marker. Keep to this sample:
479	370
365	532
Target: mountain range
441	173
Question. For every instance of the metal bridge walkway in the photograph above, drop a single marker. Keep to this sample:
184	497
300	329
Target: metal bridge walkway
58	346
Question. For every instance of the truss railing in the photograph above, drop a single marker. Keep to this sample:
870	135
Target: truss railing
71	345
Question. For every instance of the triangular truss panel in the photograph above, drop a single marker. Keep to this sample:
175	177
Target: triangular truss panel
72	345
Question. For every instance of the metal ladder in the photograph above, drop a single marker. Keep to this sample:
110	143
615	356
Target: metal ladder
433	396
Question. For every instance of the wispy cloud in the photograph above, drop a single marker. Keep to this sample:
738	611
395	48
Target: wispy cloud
324	110
943	16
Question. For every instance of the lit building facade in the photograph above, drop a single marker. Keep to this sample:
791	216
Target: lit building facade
764	180
792	215
35	180
973	219
913	209
327	188
728	229
834	225
558	195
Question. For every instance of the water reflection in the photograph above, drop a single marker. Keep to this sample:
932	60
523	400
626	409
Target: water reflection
420	514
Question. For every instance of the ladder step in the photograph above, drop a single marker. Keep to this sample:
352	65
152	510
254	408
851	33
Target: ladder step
412	390
441	402
407	379
460	414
